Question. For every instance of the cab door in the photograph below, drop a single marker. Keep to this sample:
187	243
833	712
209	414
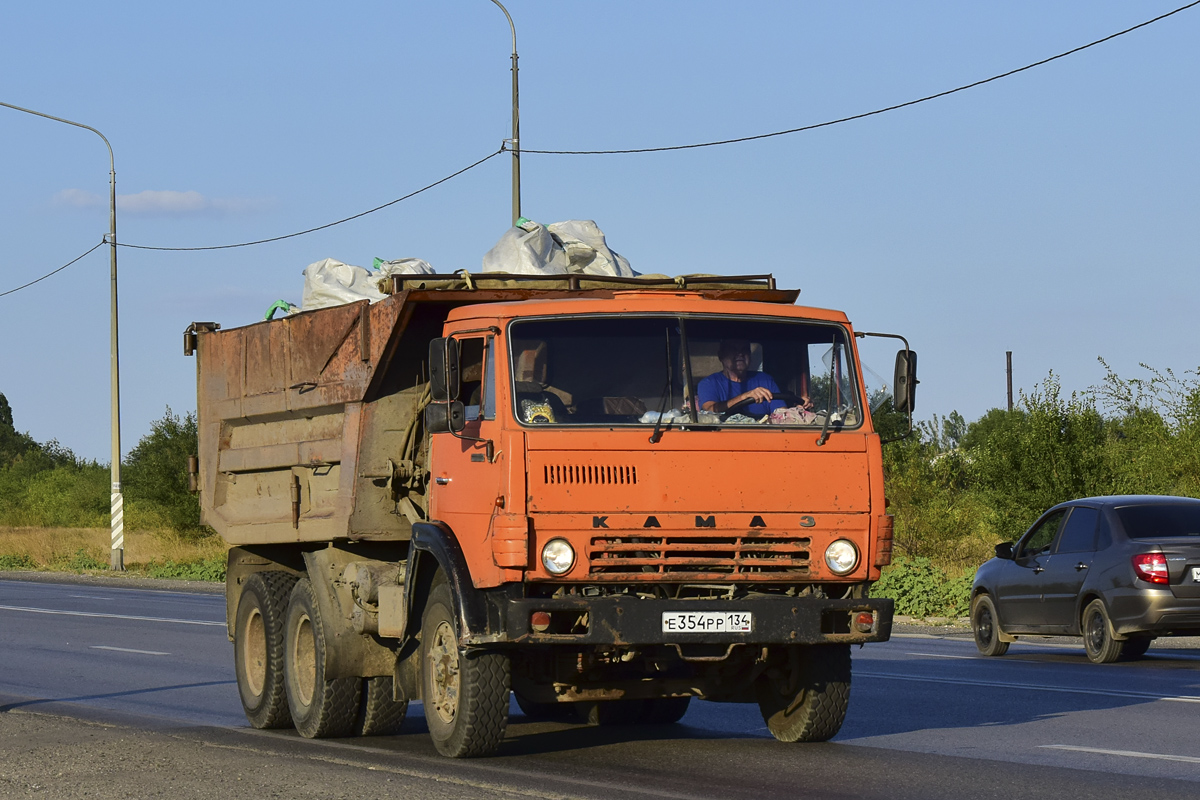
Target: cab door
1068	568
465	481
1022	585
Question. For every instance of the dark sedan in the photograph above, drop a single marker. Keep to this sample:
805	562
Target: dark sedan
1119	571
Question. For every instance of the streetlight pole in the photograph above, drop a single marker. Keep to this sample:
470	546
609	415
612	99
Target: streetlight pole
117	554
516	124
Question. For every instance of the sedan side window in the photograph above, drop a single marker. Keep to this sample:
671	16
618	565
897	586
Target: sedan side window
1079	534
1038	540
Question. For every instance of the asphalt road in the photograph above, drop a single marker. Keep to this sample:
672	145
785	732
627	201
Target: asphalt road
116	692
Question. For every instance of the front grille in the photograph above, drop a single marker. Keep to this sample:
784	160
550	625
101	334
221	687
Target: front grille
624	475
693	557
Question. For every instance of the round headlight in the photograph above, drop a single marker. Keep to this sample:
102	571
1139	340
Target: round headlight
558	557
841	556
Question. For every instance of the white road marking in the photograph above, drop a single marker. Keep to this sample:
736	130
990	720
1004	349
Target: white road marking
127	650
1028	686
111	616
1126	753
974	658
90	597
941	655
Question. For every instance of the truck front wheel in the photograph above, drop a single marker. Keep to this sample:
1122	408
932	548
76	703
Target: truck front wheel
804	698
320	708
258	648
465	693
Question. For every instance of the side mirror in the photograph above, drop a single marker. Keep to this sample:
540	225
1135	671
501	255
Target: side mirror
443	370
904	397
1005	550
448	417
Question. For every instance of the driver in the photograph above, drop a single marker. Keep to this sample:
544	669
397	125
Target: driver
735	383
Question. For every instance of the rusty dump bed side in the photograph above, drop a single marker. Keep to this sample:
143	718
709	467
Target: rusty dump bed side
309	425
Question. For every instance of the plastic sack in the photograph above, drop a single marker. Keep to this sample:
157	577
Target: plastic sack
573	246
403	266
329	282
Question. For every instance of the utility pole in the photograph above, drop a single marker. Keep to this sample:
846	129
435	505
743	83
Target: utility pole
1008	356
117	518
515	141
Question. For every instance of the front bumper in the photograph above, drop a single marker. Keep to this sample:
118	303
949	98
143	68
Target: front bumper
626	621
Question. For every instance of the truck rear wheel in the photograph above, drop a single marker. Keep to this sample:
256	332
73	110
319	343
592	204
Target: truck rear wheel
320	708
379	714
258	648
806	700
465	693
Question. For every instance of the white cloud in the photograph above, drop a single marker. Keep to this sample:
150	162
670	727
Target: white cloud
164	203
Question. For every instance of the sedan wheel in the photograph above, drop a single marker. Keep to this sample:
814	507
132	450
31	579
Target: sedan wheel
1098	639
986	628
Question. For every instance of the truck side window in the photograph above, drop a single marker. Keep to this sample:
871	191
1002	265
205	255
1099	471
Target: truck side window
470	359
489	379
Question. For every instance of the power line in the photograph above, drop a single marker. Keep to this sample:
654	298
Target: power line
55	272
327	225
868	113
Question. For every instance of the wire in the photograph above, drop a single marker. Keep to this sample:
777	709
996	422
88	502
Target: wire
868	113
327	225
55	272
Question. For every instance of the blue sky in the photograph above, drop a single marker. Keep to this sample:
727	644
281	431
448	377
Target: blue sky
1052	213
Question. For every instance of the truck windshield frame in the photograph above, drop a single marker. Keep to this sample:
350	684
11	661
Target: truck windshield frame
612	371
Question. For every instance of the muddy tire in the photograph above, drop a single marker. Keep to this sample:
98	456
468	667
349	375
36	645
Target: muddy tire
807	702
1098	638
320	708
378	713
985	624
465	693
258	648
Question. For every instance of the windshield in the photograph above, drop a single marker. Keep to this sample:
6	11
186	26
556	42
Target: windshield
693	371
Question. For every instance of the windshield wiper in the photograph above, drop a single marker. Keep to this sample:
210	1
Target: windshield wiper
668	391
833	360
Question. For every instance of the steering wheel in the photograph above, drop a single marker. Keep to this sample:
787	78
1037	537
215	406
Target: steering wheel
787	397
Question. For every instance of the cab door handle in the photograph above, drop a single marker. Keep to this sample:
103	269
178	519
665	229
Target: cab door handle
1080	566
1038	570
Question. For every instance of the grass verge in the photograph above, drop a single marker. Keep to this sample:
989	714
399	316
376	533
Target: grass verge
150	554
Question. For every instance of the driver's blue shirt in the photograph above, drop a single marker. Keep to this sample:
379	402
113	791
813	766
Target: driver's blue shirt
720	387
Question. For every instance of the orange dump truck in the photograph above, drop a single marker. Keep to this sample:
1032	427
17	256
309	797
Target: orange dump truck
549	487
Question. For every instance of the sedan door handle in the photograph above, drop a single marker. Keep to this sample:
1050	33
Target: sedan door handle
1038	570
1080	566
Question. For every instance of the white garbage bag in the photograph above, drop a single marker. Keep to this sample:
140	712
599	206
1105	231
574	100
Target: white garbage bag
403	266
329	282
573	246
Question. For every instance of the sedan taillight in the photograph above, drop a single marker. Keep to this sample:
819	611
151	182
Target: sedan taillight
1151	567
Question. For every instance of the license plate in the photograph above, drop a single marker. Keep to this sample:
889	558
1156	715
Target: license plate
707	622
1196	574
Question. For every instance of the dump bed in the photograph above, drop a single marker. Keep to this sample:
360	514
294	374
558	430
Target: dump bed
310	425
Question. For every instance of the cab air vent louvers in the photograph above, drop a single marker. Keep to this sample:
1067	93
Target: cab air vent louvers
589	474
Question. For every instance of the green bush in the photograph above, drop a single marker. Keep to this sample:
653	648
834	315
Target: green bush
16	562
155	476
921	589
208	569
80	561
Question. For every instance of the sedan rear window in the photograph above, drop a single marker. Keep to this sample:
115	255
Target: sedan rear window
1154	521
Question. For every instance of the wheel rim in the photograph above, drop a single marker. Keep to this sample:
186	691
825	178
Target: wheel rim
254	652
444	672
983	626
1096	633
304	657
